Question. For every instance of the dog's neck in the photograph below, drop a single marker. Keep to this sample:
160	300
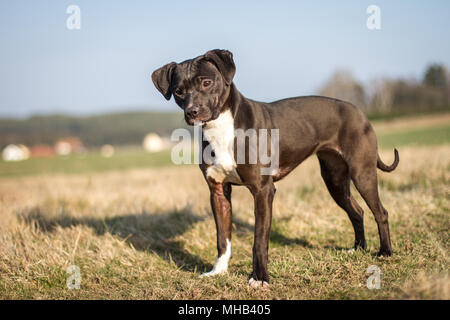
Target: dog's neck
225	121
242	108
233	101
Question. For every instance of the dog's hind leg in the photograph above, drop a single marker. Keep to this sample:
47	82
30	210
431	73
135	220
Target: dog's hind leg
365	179
335	173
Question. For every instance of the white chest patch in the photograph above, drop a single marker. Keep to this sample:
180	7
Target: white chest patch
220	135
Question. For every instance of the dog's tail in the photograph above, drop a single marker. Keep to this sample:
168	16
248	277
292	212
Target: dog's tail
390	168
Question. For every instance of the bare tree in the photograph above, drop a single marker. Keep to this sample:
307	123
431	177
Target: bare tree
343	85
381	95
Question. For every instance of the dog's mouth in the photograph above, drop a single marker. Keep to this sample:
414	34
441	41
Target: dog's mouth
203	117
196	121
200	121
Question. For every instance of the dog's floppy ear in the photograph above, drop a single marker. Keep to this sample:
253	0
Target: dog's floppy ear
223	59
162	79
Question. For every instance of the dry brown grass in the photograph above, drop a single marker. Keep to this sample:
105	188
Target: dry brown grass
416	122
147	234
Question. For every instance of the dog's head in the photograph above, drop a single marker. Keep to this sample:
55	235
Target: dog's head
200	86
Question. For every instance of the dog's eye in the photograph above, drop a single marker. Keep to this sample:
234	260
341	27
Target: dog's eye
206	83
178	92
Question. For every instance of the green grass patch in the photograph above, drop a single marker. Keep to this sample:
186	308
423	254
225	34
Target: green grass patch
424	136
90	162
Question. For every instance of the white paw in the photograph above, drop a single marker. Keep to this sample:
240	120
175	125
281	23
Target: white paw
350	251
221	265
212	273
256	284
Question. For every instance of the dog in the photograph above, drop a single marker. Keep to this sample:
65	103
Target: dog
336	131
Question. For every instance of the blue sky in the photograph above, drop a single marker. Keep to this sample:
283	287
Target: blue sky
281	48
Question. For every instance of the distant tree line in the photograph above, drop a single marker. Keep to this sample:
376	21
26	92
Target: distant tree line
117	129
390	97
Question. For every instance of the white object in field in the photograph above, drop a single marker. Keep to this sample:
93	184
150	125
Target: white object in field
107	151
63	148
15	152
153	143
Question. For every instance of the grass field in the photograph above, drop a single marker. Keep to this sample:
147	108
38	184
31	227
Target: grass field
142	232
83	163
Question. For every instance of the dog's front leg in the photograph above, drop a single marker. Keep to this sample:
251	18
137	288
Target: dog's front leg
221	206
263	197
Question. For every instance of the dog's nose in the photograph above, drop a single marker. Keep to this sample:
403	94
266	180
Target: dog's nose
192	112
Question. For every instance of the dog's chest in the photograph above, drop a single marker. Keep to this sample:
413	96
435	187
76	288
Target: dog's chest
220	135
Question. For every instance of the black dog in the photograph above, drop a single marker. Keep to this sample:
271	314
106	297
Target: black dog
337	131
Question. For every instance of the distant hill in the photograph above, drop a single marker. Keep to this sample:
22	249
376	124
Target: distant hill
127	128
115	128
